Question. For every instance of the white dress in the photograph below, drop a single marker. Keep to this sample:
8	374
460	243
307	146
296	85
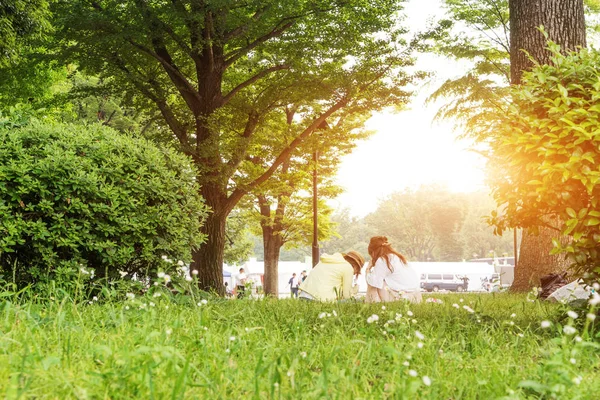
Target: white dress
402	277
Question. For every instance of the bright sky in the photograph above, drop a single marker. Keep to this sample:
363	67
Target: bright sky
410	149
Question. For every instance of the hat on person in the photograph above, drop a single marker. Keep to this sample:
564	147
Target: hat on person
356	257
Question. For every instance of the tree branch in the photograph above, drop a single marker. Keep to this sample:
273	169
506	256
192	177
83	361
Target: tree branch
251	80
237	54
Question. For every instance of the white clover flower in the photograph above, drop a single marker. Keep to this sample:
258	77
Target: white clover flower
573	361
383	308
227	351
409	313
578	339
276	385
156	294
83	271
461	300
90	302
426	381
303	354
398	317
373	318
595	300
169	331
123	274
414	321
127	307
419	335
591	316
95	298
441	351
334	313
455	306
406	363
180	263
161	274
164	257
469	309
231	338
206	328
420	345
412	373
322	315
204	301
155	283
188	278
130	296
384	332
151	304
167	278
513	315
577	380
328	314
596	286
569	330
572	314
289	373
194	272
511	323
545	324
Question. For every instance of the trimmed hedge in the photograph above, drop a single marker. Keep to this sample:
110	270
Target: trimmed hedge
86	196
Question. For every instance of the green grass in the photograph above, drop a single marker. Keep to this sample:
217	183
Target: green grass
229	349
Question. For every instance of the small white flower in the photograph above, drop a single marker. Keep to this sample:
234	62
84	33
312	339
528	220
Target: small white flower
591	316
572	314
569	330
414	321
204	301
412	373
469	309
161	274
90	302
130	296
406	363
545	324
227	351
513	315
206	328
578	339
95	298
334	313
441	351
156	294
155	283
123	274
188	278
231	338
455	306
595	300
420	345
303	354
247	330
127	307
194	272
152	304
520	335
384	332
289	373
409	313
373	318
510	323
383	308
167	278
426	381
461	300
596	286
419	335
83	271
398	317
164	257
276	385
577	380
322	315
180	263
329	314
169	331
573	361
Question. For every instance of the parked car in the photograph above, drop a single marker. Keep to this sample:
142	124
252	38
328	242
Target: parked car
450	282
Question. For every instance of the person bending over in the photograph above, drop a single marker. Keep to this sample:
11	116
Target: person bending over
331	278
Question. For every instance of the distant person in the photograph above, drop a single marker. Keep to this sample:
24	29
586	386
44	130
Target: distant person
294	283
228	291
390	277
303	276
241	279
331	279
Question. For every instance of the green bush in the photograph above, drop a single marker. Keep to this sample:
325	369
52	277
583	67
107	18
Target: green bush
74	197
545	153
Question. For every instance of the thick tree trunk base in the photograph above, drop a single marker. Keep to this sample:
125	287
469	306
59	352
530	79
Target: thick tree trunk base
208	259
535	260
272	247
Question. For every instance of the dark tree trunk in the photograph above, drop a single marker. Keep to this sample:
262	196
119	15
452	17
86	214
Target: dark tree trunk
564	22
208	259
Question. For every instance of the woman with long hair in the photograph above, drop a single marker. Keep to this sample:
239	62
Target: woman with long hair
389	276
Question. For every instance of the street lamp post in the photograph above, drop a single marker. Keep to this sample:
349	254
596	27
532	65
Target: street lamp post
315	242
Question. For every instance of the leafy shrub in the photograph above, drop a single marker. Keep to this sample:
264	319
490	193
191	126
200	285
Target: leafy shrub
75	197
545	152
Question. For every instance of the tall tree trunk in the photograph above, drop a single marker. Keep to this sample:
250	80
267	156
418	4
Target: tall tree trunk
564	22
272	246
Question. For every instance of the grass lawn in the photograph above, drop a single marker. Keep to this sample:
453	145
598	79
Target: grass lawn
162	347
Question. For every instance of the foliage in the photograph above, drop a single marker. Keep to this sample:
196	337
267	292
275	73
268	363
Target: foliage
163	346
544	155
75	196
239	243
20	21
